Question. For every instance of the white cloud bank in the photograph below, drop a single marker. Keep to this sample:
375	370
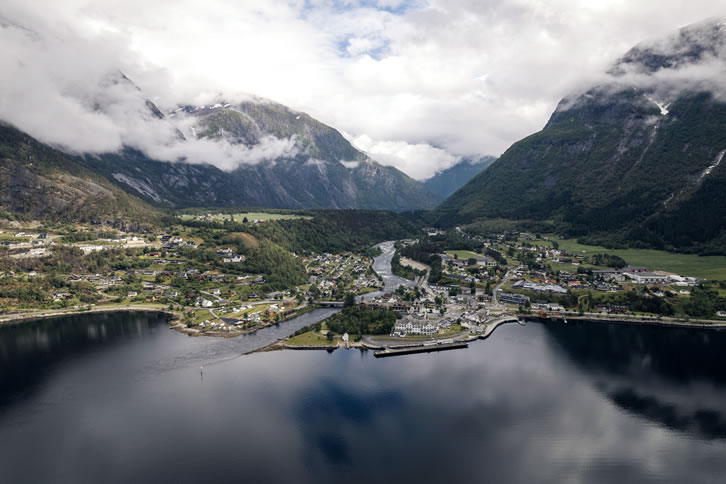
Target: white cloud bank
417	84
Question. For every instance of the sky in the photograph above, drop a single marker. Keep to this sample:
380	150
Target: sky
417	84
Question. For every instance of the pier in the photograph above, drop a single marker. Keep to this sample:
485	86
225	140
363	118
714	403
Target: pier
424	348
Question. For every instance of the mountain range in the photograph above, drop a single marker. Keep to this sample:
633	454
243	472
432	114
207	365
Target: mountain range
322	171
635	159
303	164
447	181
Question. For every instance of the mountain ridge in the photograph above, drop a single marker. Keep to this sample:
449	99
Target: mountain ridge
446	182
633	161
324	170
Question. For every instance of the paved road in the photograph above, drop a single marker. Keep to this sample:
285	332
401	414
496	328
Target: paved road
495	297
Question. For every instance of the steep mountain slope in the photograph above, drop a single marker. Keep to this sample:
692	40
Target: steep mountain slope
39	182
446	182
635	159
321	170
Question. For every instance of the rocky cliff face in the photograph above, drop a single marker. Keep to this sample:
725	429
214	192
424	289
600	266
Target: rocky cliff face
637	158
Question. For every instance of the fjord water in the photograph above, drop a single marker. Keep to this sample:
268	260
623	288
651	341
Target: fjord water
120	398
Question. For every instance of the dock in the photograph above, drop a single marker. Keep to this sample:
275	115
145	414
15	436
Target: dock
427	348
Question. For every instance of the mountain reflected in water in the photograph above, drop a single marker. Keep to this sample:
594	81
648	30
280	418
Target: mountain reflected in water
121	399
675	377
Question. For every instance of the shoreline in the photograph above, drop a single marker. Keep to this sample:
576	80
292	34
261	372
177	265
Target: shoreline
491	327
19	318
176	323
666	323
175	318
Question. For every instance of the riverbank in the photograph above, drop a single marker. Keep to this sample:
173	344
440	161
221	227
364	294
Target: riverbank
17	318
175	322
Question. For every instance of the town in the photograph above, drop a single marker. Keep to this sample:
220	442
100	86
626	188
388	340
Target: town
447	284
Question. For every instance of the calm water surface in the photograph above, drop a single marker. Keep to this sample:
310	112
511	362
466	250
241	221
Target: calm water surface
119	398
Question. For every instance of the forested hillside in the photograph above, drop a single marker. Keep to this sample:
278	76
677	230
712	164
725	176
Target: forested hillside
622	163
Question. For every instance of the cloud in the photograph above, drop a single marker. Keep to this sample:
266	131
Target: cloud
91	107
420	161
690	60
416	78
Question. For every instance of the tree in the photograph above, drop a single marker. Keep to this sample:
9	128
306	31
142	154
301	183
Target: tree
244	220
349	300
471	261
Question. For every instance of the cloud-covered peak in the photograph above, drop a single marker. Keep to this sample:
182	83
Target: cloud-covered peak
421	82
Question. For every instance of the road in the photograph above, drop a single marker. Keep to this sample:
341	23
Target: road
495	297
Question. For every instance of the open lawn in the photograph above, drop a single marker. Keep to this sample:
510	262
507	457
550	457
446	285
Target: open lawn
463	254
311	339
710	267
12	238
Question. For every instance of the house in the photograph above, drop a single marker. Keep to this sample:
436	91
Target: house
132	294
486	261
206	303
609	275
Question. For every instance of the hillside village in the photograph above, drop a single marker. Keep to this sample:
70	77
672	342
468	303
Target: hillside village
210	286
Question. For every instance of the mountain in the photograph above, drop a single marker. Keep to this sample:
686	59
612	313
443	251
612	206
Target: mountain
447	181
317	167
40	183
636	159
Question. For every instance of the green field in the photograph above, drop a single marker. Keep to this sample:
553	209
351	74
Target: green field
463	254
12	238
710	267
311	339
240	216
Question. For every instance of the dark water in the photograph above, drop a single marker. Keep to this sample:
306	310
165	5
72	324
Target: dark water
119	398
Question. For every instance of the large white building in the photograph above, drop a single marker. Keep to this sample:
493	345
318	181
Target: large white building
647	277
408	325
